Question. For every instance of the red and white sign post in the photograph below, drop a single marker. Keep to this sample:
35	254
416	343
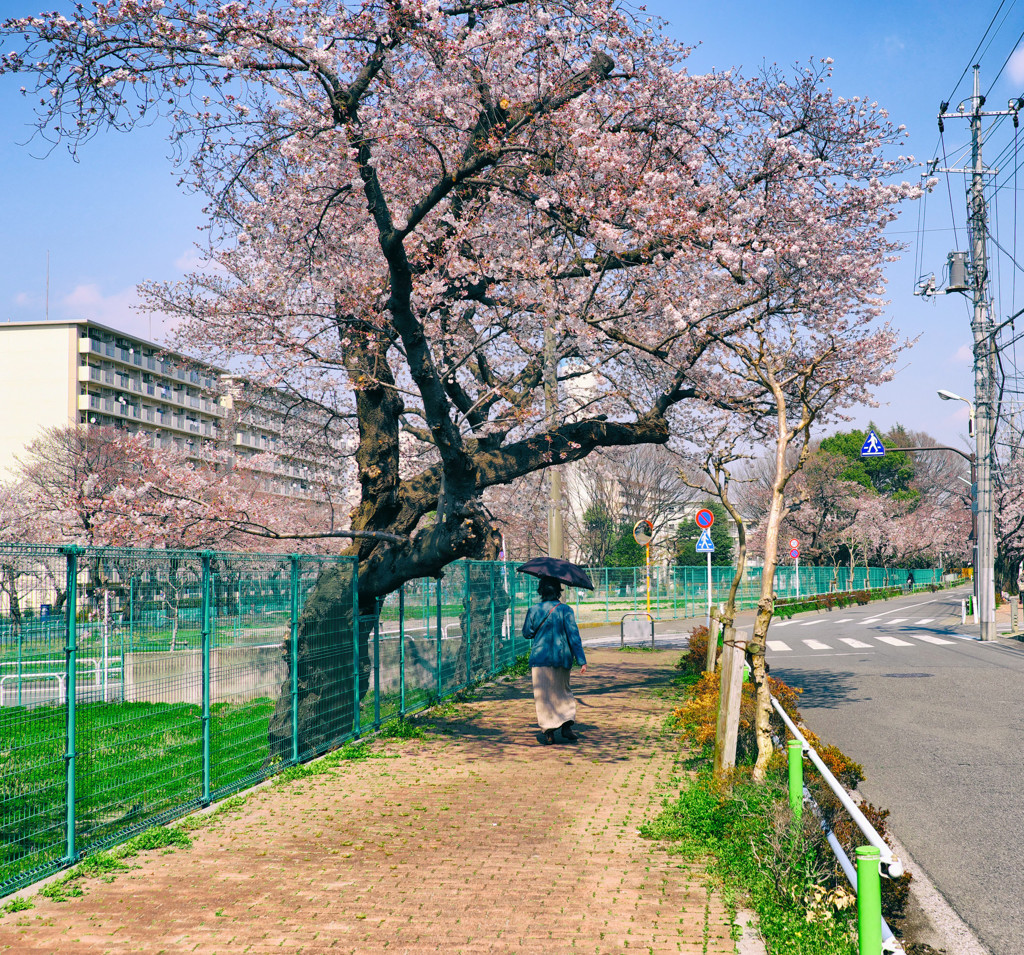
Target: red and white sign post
705	519
794	552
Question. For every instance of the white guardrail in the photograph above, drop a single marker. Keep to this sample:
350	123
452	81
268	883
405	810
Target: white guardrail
890	864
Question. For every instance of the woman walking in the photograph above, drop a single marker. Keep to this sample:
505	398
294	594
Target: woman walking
551	625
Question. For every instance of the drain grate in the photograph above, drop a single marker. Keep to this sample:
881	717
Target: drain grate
906	676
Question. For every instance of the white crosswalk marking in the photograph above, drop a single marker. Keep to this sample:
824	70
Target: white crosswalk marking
811	623
929	639
817	645
897	620
921	623
781	623
872	620
844	620
895	642
778	646
856	644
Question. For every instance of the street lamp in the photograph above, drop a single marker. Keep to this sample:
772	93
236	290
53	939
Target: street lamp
949	396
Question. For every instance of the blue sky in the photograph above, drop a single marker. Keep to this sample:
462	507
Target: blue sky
115	216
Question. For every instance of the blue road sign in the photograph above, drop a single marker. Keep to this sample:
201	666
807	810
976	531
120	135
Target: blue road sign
873	448
705	545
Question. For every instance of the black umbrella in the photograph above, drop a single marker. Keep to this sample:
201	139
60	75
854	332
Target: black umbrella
563	570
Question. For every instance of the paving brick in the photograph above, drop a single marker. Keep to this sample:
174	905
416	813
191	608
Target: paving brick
476	840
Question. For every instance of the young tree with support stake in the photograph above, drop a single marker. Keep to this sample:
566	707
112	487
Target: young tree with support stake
805	378
405	196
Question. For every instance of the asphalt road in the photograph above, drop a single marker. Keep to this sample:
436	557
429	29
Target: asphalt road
935	717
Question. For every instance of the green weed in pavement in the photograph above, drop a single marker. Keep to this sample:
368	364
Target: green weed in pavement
749	841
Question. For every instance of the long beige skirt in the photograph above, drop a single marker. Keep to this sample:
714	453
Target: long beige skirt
555	703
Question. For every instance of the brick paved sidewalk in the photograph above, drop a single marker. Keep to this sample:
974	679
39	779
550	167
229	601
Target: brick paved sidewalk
478	839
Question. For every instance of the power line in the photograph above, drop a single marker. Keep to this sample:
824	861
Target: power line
1013	50
973	60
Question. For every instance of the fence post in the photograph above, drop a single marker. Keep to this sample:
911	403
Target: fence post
293	651
376	665
19	664
426	605
438	637
131	617
869	901
357	629
401	650
71	649
493	568
514	587
607	610
796	777
467	634
204	642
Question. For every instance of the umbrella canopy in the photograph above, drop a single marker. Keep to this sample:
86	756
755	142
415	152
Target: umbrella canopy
563	570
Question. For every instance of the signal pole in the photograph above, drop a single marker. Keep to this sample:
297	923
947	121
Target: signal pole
984	358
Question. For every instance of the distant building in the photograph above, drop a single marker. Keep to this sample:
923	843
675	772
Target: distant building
55	374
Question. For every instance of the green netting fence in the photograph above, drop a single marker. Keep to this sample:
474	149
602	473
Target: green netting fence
139	685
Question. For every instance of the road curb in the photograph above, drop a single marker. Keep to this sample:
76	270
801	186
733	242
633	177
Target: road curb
942	928
749	942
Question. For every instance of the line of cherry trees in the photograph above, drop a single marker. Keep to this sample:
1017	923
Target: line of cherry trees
906	509
487	238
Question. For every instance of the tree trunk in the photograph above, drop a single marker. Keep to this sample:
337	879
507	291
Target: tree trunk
326	695
766	604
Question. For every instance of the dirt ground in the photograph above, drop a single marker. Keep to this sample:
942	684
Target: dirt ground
475	839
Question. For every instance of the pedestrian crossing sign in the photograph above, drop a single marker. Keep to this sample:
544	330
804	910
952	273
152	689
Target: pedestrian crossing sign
873	448
705	545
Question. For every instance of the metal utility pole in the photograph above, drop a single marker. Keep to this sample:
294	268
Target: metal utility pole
984	361
555	535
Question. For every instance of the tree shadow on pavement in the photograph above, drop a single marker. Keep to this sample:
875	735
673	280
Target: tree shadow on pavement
613	704
823	689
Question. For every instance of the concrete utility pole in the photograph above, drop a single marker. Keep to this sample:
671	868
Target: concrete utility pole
555	535
984	362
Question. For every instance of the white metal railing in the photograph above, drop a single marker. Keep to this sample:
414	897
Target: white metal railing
890	861
29	677
887	862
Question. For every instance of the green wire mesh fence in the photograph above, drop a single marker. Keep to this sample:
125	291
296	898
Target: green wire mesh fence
682	592
139	685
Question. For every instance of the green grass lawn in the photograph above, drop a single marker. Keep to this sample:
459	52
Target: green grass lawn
135	763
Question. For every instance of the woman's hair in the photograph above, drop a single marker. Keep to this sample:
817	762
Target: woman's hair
549	588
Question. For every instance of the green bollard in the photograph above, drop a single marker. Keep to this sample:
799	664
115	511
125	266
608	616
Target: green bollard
869	901
796	777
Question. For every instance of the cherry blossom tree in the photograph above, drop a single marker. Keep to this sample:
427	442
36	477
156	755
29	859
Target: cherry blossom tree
1010	521
824	506
105	487
405	195
419	212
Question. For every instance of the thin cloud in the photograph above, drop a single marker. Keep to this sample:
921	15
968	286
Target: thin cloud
1015	66
119	310
894	46
963	355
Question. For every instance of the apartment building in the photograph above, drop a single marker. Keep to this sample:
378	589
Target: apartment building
54	374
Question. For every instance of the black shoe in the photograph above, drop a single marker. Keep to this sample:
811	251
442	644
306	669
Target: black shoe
549	736
567	730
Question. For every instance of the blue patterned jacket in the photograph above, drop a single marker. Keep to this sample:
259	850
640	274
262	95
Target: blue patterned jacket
555	636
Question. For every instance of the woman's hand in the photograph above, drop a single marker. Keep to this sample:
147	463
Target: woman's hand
583	669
